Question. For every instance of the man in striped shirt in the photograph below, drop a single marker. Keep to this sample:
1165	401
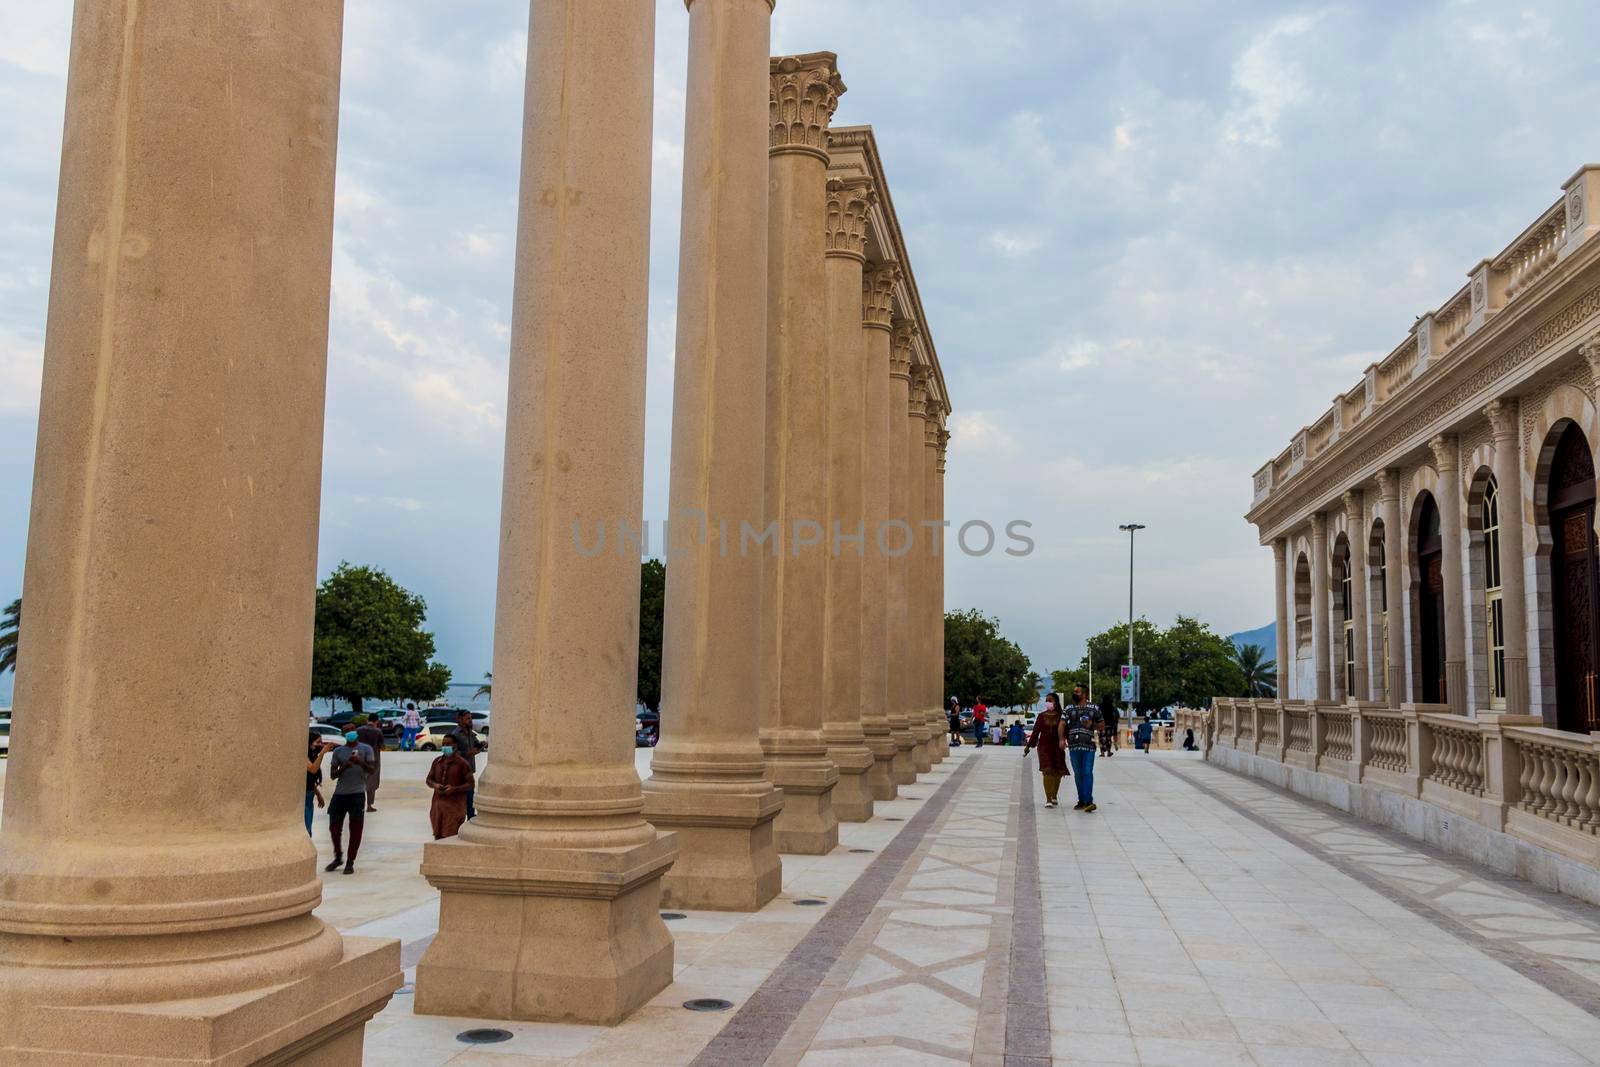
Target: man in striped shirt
1083	723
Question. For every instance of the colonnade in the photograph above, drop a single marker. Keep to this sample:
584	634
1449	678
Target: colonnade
153	904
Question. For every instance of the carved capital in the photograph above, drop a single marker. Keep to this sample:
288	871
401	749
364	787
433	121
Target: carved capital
917	404
905	339
1280	550
1319	524
1444	452
1388	485
1590	350
1502	416
877	296
1352	507
849	201
804	94
944	447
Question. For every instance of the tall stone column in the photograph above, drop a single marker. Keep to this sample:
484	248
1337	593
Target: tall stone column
933	577
1356	536
877	324
708	775
1455	629
849	200
902	541
1394	570
560	862
938	747
156	881
1280	583
1319	604
804	94
919	568
1503	421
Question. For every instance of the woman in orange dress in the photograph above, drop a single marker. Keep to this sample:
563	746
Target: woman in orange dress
1047	737
450	778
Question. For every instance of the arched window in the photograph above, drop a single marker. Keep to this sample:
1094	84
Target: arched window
1348	618
1495	610
1381	568
1430	602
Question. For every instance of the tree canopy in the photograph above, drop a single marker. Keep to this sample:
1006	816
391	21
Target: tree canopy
1258	673
1186	664
978	661
10	628
370	642
652	608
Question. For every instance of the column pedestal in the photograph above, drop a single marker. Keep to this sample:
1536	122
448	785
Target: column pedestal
728	855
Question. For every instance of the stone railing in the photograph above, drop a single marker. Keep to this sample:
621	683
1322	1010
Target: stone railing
1506	773
1492	286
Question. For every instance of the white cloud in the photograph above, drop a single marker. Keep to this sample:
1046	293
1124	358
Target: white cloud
21	364
1269	82
1015	244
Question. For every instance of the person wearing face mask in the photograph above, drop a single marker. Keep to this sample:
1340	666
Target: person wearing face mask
352	762
1049	737
450	777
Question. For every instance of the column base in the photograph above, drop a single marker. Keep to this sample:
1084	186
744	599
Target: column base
577	934
806	826
727	853
904	767
921	754
880	777
317	1021
852	797
938	738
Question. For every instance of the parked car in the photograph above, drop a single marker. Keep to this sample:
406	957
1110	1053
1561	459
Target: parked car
328	733
433	735
5	736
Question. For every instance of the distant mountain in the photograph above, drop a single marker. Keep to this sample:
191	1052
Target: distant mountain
1266	637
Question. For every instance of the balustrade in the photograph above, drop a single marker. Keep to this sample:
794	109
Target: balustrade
1389	744
1338	739
1457	760
1528	260
1298	723
1559	780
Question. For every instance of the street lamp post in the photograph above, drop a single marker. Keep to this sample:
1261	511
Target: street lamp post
1130	529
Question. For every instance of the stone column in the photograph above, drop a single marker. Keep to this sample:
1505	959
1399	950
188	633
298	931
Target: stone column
918	569
937	720
933	577
708	775
1395	568
1280	582
560	862
903	542
1455	628
156	881
1356	536
849	200
877	323
804	93
1503	420
1319	604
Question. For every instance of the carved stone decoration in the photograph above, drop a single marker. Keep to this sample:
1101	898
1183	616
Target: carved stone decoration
932	413
877	296
1299	448
944	445
1575	207
1443	448
1353	508
849	201
1424	340
1502	415
1479	293
905	339
1388	485
1590	351
805	92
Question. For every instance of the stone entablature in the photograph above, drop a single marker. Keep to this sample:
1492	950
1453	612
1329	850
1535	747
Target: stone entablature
1517	313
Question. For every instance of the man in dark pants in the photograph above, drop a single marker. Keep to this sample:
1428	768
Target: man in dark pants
1083	723
352	762
371	734
467	746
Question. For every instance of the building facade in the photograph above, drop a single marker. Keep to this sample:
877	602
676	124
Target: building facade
1433	531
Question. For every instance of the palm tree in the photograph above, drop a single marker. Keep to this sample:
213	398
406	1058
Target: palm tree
488	684
10	626
1260	673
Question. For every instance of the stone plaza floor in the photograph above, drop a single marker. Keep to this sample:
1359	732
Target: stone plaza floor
1197	918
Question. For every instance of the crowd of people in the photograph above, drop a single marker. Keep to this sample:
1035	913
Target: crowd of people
355	768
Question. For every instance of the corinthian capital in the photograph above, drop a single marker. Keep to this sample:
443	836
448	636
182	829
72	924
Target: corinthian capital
1444	452
944	448
917	404
849	200
1352	507
804	94
1388	484
1280	550
877	295
1590	350
1502	416
905	339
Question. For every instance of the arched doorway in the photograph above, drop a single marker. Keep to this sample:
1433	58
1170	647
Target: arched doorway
1430	601
1378	593
1305	674
1573	580
1344	612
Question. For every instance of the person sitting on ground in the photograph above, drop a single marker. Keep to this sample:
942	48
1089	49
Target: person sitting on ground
352	762
451	779
1188	741
1015	734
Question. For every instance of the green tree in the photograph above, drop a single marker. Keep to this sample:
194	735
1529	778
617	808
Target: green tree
978	661
1185	664
10	628
652	609
1033	687
487	688
1260	674
369	640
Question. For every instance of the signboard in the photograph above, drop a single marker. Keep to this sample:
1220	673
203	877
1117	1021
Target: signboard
1130	684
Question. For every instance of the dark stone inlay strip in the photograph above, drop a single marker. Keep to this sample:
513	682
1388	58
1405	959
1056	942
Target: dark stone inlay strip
758	1026
1027	1006
1547	972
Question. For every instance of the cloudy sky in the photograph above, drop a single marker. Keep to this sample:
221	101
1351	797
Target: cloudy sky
1153	239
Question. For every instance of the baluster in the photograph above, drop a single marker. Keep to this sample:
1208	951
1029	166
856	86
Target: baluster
1475	748
1547	777
1525	777
1591	795
1569	788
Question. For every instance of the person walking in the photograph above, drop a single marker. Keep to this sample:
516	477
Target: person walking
1049	736
1108	712
1083	722
316	748
955	723
369	733
980	721
467	746
352	762
410	727
451	779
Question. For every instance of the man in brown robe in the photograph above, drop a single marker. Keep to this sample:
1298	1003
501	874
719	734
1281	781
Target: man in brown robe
451	780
